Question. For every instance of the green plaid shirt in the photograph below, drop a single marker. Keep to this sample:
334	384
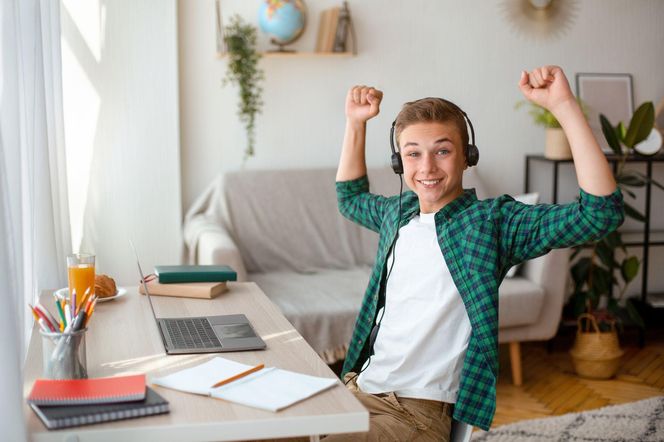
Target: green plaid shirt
480	241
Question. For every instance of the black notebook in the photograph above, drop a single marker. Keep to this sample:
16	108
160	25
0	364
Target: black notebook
62	416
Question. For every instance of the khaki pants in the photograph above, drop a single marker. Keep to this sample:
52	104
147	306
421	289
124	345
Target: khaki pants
399	419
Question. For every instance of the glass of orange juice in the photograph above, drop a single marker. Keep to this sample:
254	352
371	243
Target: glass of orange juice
81	269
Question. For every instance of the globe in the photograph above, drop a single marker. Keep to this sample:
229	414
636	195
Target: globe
283	20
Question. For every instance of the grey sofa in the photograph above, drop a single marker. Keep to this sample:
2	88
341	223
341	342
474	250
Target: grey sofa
282	230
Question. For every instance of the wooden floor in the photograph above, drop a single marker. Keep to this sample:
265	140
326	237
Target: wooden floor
550	386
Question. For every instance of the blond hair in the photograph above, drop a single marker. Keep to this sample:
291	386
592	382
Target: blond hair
431	110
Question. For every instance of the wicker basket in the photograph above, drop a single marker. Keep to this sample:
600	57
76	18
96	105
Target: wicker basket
595	354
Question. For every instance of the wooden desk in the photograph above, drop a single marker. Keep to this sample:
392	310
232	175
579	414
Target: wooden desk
123	338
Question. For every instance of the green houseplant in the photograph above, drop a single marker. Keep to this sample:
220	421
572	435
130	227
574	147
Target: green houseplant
243	71
541	116
598	295
556	146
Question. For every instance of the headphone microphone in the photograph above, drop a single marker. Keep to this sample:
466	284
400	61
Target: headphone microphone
471	152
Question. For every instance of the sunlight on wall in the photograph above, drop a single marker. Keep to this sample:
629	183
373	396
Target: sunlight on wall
81	109
90	19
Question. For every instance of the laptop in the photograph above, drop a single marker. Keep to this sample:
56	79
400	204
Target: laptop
203	334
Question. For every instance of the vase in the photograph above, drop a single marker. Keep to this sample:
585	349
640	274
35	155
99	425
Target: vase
596	354
557	146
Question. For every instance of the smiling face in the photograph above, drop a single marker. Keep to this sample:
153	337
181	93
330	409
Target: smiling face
433	163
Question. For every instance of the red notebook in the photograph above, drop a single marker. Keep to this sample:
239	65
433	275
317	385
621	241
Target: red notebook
88	391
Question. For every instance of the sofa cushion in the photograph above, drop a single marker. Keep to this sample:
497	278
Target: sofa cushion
289	220
520	302
322	306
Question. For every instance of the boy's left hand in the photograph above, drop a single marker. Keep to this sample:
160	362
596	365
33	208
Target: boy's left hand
546	86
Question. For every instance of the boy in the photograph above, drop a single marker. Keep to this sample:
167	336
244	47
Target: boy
434	287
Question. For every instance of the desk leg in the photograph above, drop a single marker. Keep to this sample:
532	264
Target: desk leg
315	438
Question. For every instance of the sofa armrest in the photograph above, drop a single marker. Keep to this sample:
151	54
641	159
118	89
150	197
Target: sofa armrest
550	272
217	247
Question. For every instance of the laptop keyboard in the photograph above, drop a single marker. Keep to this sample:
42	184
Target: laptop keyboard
191	333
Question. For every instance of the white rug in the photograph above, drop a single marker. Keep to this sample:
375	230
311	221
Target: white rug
641	421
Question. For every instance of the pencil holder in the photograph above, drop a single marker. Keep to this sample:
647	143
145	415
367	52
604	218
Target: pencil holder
63	355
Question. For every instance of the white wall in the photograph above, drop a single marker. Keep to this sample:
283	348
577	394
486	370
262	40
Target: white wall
120	92
468	52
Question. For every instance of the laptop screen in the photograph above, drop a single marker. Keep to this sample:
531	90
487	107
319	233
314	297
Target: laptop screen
145	286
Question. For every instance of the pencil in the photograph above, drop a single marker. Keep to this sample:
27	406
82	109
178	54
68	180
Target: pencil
239	375
61	312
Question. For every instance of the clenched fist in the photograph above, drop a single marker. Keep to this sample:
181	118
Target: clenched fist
362	103
546	86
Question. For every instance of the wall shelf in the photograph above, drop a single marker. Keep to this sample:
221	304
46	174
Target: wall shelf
300	54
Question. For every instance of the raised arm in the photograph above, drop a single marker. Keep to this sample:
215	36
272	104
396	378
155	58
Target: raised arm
362	104
530	231
548	87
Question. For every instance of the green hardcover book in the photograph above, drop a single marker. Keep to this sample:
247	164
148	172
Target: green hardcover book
194	273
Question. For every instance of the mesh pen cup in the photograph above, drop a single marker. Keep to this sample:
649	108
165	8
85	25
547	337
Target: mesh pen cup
63	355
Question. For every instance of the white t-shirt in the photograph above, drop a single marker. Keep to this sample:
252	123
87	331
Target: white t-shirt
423	337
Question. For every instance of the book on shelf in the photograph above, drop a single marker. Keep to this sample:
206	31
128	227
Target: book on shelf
203	290
267	388
327	29
87	391
63	416
321	31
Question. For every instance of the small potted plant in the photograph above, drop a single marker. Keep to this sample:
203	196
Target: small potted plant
598	299
243	71
556	146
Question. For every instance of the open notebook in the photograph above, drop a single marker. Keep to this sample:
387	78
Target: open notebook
269	388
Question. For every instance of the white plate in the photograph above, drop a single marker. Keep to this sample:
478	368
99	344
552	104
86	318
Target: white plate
63	293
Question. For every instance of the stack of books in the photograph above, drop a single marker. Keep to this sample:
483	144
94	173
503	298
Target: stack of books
74	402
189	281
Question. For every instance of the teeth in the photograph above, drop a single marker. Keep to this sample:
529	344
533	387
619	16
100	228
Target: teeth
429	182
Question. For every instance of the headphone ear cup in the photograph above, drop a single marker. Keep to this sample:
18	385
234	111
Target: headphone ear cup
472	155
397	165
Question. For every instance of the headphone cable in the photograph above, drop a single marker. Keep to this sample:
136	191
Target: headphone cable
374	331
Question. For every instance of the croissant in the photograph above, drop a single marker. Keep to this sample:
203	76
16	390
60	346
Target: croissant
104	286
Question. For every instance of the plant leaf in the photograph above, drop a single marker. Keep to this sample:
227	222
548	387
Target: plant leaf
640	125
610	134
632	212
630	178
579	303
602	280
593	298
614	239
630	268
645	178
621	131
613	307
605	253
633	314
580	271
628	192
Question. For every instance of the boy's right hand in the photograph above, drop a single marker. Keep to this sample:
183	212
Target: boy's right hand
362	103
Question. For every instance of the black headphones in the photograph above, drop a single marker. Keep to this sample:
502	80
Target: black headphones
471	151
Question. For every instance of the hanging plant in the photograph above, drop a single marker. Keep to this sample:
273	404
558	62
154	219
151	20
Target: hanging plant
243	71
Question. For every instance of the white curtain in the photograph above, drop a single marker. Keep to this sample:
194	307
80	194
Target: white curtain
34	219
